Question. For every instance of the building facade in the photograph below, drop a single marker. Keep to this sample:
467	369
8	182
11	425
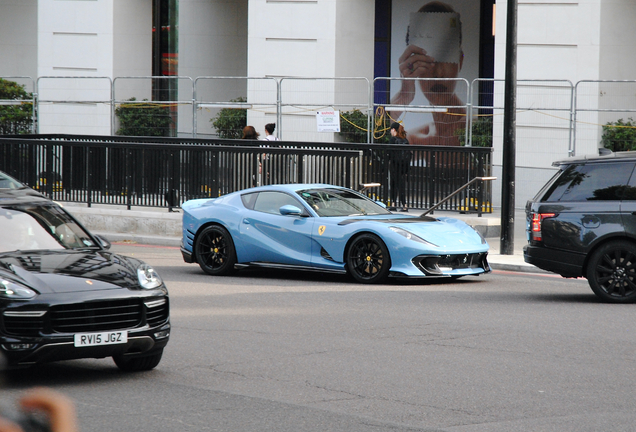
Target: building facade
117	45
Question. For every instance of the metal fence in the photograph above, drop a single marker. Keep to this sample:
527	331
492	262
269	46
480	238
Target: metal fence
543	118
599	103
302	98
80	103
213	94
565	118
164	172
446	114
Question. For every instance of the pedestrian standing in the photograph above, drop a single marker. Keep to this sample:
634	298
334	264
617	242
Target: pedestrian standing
269	132
399	164
250	133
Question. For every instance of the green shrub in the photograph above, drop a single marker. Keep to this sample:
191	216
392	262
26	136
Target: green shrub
15	119
353	128
482	132
229	122
619	135
144	119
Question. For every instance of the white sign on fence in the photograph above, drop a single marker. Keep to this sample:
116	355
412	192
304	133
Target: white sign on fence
328	121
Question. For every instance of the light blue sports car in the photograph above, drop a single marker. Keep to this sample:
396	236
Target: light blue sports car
325	228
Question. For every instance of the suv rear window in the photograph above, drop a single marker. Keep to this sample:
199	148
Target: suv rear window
593	182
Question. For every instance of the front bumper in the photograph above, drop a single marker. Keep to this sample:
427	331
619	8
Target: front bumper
44	331
46	349
187	255
453	264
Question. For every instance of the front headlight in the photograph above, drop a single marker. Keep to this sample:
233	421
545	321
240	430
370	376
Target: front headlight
13	290
411	236
148	277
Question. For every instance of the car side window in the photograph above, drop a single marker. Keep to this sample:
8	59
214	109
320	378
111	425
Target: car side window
249	199
593	182
630	190
271	202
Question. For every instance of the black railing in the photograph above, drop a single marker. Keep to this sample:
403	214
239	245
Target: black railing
164	172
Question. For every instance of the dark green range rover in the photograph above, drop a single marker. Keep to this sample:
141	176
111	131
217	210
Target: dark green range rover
582	223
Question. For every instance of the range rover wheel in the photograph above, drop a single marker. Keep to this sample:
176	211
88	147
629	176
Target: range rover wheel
611	272
368	259
215	251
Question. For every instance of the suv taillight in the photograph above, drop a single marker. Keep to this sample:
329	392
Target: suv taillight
537	219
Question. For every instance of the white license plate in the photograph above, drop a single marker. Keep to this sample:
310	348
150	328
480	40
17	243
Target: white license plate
105	338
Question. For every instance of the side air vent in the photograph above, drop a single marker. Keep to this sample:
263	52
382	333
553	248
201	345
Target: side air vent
325	254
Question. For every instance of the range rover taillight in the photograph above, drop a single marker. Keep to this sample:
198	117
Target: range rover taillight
537	220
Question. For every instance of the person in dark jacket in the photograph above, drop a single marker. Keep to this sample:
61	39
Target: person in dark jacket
399	164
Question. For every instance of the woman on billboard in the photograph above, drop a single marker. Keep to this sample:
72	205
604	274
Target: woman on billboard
434	54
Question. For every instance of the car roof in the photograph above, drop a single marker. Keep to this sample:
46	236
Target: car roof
8	182
25	195
611	156
292	187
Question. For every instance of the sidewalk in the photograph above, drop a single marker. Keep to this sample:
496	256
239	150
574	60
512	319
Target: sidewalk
157	226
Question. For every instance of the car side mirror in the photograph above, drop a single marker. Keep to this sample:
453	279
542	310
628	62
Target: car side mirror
290	210
105	244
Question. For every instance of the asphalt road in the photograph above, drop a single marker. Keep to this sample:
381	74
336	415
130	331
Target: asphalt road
273	351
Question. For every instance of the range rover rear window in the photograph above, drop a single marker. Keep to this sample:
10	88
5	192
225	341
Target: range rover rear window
593	182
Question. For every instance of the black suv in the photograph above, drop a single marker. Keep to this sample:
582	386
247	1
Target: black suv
64	296
583	223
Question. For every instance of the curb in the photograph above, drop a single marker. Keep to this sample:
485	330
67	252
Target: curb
140	239
519	268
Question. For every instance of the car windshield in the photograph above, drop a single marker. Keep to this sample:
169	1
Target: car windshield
340	202
37	227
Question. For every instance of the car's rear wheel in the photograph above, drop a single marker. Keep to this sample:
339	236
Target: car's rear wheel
368	259
611	272
215	251
138	364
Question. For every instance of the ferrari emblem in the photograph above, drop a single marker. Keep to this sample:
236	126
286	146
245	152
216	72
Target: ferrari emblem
321	229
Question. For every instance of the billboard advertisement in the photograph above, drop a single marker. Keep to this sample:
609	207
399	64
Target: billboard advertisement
437	42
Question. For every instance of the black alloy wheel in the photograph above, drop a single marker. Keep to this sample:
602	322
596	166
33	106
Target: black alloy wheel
611	272
215	251
368	259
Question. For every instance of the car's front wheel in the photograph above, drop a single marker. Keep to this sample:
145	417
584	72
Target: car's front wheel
138	364
215	251
368	259
611	272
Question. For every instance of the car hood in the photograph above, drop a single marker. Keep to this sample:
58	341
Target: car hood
444	232
70	271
